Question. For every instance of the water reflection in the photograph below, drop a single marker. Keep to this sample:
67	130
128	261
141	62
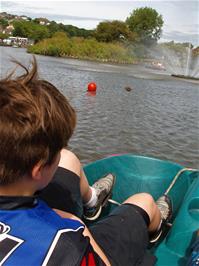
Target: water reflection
91	93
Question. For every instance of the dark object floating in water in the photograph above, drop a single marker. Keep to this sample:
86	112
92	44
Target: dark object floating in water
184	77
128	88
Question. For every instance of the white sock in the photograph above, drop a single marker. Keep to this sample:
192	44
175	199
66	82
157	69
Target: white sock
93	200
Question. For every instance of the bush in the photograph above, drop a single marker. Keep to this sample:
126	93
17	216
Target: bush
78	47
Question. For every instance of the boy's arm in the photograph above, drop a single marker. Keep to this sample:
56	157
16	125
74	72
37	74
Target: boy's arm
86	232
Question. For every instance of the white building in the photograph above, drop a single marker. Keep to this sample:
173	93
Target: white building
18	41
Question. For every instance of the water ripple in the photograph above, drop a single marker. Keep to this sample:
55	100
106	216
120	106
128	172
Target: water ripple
158	117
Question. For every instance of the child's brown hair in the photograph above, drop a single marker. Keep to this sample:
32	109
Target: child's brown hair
36	121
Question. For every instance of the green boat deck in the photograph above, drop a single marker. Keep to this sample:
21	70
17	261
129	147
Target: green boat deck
144	174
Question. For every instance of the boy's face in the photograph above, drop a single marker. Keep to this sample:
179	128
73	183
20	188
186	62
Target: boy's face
49	170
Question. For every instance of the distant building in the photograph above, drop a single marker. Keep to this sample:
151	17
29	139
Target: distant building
6	16
8	30
7	42
42	21
3	14
196	51
18	41
24	17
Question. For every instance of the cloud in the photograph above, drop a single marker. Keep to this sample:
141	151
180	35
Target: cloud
186	28
191	5
68	17
32	10
179	36
7	4
180	16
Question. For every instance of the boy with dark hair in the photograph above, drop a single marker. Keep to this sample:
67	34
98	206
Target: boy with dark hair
36	123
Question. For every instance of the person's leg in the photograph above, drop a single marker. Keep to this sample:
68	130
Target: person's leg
69	188
159	212
94	197
70	161
125	231
147	203
63	192
128	228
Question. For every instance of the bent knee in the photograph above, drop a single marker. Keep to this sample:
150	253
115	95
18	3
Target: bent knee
70	161
140	197
144	201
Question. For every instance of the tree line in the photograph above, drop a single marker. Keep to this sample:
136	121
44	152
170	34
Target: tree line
112	41
61	45
144	25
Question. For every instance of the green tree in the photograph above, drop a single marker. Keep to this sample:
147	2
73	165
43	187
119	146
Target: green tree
21	28
30	30
4	22
79	47
178	48
3	35
39	32
146	23
109	31
73	31
60	35
53	27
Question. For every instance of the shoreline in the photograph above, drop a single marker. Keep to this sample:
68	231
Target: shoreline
140	63
104	61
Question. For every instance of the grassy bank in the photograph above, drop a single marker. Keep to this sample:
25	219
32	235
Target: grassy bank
90	49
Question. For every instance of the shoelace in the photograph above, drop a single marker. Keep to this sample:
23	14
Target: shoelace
103	184
163	207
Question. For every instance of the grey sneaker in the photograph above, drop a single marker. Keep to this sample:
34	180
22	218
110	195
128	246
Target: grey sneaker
165	206
103	187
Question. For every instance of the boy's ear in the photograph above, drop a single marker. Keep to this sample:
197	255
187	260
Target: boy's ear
37	171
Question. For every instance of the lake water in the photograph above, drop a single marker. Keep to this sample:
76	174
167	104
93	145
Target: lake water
159	117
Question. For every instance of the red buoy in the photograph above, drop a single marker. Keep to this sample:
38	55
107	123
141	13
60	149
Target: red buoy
92	86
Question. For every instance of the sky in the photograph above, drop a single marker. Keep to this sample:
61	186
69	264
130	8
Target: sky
181	17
